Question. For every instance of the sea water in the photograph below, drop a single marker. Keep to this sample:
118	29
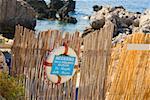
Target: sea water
84	9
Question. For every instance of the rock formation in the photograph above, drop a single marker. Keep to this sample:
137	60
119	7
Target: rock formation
60	7
25	15
7	15
14	12
40	7
123	20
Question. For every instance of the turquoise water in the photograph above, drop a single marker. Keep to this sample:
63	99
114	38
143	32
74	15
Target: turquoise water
84	9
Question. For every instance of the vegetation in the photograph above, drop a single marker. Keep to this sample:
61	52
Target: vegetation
10	89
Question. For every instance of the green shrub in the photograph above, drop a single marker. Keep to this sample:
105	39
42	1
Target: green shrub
10	89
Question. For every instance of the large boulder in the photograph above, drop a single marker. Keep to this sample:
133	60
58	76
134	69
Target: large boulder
97	24
26	15
14	12
7	15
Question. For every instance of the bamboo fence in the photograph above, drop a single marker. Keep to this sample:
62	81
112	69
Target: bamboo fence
28	54
96	53
129	71
107	73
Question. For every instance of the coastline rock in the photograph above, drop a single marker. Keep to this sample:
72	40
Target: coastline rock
72	20
127	21
69	19
100	14
117	7
50	11
52	14
124	21
40	7
63	12
56	4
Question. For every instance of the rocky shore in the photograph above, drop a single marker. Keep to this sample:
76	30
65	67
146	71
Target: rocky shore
25	13
125	22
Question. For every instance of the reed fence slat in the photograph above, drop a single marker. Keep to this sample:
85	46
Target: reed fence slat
94	64
128	70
